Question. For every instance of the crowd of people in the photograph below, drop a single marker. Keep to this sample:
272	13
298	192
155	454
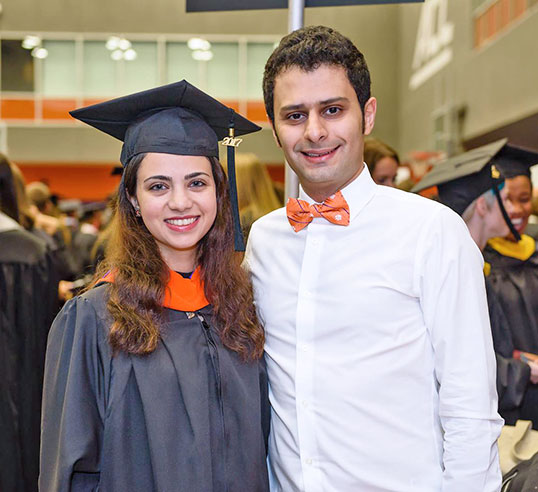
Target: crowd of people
365	328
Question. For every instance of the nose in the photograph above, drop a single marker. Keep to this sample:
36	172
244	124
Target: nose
315	129
180	199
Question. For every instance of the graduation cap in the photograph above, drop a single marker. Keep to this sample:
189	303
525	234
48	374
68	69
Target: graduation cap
515	161
462	179
175	119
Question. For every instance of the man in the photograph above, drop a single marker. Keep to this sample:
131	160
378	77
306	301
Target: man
472	185
378	345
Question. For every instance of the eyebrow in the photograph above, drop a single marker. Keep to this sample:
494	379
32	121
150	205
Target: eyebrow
293	107
168	178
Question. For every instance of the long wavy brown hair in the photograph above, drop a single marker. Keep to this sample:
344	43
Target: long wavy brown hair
141	276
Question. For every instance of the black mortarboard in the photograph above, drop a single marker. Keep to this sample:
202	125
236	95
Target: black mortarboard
462	179
176	119
515	161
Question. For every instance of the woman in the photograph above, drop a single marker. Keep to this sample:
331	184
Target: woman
512	268
154	379
382	161
255	190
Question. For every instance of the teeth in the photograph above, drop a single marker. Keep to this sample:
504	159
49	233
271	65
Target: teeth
181	222
312	154
517	221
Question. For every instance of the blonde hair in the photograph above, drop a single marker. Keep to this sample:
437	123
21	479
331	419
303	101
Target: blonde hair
255	190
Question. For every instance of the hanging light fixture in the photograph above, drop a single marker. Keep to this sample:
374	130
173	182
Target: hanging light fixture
199	44
31	42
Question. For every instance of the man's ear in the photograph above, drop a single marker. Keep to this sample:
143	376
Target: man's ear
370	109
481	207
275	135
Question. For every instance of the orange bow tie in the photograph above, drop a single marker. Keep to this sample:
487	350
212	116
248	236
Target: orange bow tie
300	213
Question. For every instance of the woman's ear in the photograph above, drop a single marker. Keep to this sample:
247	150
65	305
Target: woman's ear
134	202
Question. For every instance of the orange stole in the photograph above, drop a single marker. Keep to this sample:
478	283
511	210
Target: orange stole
181	294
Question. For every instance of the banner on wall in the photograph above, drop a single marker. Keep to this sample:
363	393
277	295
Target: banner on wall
215	5
433	47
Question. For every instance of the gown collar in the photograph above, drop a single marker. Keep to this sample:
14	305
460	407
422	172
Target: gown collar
181	294
522	250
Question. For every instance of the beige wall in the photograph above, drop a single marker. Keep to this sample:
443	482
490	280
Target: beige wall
496	84
362	24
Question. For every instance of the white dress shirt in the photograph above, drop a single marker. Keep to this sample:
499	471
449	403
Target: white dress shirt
379	351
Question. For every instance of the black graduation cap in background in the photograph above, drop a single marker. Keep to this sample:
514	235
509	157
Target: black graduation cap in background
462	179
175	119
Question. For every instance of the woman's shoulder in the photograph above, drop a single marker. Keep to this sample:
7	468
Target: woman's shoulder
84	316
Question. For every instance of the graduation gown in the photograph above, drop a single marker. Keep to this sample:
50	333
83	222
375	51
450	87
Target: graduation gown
28	294
513	281
512	374
189	417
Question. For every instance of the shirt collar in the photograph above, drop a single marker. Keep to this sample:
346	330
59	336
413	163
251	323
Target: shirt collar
8	224
357	193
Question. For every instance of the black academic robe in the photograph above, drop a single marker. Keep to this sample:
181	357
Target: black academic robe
512	374
523	477
514	283
189	417
28	294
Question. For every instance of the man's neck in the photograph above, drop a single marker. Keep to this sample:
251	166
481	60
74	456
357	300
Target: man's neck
319	192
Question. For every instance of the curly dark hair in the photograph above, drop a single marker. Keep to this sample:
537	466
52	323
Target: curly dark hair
310	47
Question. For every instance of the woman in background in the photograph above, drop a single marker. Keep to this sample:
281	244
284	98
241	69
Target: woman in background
255	190
382	161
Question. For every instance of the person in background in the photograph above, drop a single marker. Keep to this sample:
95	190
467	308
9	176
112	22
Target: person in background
371	387
255	191
512	262
382	161
28	303
59	237
472	191
154	378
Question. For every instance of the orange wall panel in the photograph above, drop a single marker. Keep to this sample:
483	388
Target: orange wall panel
85	182
256	111
58	109
17	109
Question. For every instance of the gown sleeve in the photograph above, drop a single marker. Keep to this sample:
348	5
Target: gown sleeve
73	401
512	381
512	374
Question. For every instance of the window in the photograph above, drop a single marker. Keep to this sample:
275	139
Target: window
59	69
17	67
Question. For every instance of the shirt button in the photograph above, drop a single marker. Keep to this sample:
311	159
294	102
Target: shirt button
315	242
308	461
304	347
304	403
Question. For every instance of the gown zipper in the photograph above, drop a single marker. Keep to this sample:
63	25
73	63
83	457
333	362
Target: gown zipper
216	367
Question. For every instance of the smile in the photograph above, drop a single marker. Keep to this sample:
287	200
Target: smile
181	222
319	153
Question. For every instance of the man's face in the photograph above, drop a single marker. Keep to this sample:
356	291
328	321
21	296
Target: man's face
318	124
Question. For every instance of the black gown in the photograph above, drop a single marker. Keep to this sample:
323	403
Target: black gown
28	295
514	283
189	417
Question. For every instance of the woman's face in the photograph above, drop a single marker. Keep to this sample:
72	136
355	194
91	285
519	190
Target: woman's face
518	201
176	195
385	171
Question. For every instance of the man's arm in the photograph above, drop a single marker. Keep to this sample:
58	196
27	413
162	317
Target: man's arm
453	300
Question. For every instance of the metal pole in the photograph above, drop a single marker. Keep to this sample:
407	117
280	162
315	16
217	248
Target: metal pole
295	21
295	14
